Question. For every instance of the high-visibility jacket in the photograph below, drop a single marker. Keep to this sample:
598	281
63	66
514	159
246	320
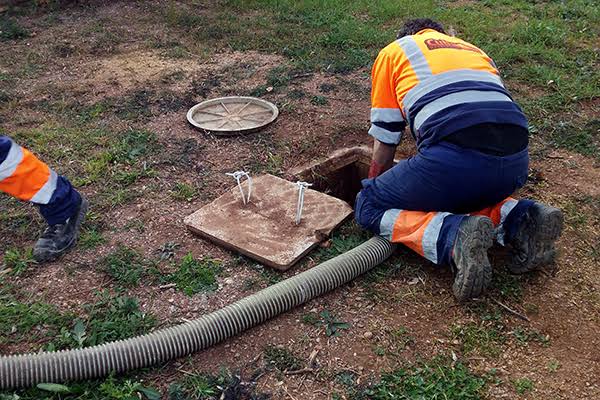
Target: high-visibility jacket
436	84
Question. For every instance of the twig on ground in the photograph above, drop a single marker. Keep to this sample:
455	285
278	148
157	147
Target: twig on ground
167	286
510	310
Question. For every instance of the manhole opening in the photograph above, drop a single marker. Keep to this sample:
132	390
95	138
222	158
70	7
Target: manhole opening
338	175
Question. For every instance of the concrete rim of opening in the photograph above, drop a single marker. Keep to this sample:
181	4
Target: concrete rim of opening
232	115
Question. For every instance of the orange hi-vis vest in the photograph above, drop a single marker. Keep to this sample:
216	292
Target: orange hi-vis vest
436	84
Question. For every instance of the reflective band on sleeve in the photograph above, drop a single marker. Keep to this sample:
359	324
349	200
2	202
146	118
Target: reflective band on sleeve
446	78
385	136
12	161
466	96
386	225
506	208
386	115
431	236
44	195
415	56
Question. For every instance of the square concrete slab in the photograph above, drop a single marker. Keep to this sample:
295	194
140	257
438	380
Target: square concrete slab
264	229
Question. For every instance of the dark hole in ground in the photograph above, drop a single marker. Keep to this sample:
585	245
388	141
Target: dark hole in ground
338	175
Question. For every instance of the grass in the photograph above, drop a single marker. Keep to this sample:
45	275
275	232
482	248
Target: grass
483	339
282	359
108	319
438	378
224	385
18	261
21	320
11	29
109	389
184	191
329	322
126	266
194	276
523	385
546	47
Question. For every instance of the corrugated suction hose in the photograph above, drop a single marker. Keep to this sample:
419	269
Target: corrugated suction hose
18	371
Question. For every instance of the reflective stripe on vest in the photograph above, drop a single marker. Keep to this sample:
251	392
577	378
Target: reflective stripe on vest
429	82
466	96
446	78
415	56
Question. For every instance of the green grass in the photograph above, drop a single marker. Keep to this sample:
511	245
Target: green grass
438	378
184	191
11	29
223	385
523	385
282	359
90	238
331	325
109	389
126	266
194	276
20	320
484	339
110	318
18	261
544	46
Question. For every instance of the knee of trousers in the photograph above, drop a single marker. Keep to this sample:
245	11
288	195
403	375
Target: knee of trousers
366	214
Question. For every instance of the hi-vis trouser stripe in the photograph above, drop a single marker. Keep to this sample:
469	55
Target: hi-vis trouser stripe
498	214
421	231
25	177
418	230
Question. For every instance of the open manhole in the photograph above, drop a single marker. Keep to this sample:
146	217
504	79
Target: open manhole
338	175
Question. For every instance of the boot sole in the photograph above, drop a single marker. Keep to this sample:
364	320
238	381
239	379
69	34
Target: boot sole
545	227
474	272
51	255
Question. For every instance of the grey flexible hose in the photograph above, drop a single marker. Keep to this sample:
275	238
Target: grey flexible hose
26	370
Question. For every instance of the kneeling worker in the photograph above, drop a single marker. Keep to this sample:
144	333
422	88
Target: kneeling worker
450	201
25	177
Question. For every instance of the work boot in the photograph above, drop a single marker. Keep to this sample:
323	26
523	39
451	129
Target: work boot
57	239
532	245
473	271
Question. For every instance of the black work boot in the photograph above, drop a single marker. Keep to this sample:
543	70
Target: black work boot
473	271
57	239
532	245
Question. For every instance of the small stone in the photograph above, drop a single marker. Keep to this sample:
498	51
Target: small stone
368	335
228	281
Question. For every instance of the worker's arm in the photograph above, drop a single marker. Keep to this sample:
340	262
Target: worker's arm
387	121
383	158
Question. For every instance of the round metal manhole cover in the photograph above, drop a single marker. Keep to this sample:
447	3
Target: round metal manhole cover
232	115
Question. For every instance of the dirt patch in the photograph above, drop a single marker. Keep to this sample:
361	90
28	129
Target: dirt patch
576	173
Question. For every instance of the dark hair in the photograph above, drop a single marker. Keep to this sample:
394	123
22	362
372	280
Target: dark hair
413	26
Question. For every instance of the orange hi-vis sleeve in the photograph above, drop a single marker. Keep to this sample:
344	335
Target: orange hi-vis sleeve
387	121
25	177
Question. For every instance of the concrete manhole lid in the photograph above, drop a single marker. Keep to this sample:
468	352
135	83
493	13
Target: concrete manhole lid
264	229
232	115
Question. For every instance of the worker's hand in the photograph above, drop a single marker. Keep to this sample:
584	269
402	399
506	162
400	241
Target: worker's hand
375	169
383	158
